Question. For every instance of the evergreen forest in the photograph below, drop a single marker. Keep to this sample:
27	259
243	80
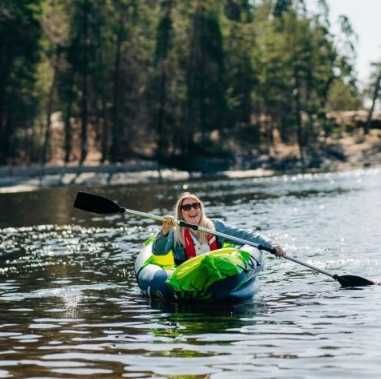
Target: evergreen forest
170	80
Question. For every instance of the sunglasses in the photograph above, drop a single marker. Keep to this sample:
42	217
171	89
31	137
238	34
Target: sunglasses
188	207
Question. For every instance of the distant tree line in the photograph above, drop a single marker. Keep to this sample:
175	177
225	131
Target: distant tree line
170	79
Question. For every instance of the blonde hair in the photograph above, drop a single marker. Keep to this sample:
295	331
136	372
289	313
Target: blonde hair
204	222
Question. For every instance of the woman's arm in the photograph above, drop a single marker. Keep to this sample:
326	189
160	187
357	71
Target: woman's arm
164	240
163	243
255	238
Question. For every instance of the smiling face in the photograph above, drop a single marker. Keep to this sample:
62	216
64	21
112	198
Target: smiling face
191	210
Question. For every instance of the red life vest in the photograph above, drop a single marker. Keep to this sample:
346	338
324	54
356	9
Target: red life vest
189	247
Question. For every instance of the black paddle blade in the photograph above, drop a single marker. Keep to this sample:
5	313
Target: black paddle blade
353	281
95	203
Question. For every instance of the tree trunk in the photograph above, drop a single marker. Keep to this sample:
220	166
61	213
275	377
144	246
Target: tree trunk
299	121
45	150
105	132
84	105
161	114
115	137
374	99
68	131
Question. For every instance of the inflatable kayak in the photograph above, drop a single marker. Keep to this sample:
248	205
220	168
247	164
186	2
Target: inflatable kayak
227	274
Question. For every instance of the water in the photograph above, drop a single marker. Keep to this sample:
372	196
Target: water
70	306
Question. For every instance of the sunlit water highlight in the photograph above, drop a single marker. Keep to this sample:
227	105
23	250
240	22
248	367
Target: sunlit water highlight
70	306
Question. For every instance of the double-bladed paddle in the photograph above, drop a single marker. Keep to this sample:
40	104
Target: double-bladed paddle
99	204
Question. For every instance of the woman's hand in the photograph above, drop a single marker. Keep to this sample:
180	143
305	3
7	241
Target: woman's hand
279	252
169	223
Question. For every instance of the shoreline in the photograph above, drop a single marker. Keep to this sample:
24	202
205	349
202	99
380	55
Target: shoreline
347	153
34	178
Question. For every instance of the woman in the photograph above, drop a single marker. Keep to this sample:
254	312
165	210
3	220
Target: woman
186	243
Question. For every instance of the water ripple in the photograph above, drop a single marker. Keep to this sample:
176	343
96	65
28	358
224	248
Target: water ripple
70	305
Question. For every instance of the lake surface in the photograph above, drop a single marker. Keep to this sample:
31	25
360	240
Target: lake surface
70	306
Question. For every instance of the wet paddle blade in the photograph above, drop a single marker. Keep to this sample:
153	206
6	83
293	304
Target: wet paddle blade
95	203
353	281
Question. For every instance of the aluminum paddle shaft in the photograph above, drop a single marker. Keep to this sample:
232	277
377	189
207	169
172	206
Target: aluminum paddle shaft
101	205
